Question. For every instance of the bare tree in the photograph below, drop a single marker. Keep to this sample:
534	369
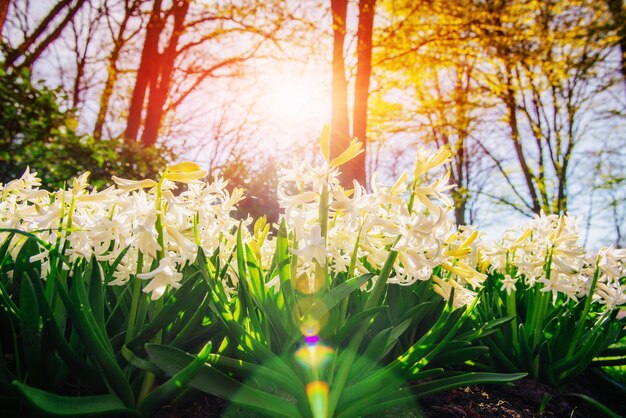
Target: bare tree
118	32
177	56
340	123
545	77
618	15
36	42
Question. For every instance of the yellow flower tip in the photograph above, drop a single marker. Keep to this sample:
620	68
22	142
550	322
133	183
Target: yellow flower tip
184	172
130	185
452	237
459	252
261	229
470	239
354	149
185	166
426	161
484	265
523	237
325	142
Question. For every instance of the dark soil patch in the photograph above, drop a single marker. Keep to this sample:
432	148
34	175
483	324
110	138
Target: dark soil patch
522	399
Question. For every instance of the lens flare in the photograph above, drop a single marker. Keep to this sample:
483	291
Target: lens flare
310	328
317	393
314	357
311	339
312	314
308	284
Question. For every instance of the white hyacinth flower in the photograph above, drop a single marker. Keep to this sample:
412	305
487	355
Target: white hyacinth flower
313	246
160	278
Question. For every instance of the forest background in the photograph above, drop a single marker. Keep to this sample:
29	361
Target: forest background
530	96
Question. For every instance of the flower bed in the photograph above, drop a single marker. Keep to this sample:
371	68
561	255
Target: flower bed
139	295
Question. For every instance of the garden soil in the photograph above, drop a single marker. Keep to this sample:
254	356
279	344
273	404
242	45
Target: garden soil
522	399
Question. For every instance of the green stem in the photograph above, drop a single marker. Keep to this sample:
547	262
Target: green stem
511	306
375	298
583	318
412	197
159	220
130	332
350	273
512	310
196	232
323	212
320	272
149	377
544	301
50	284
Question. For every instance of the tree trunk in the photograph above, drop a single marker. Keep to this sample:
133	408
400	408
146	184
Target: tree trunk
161	80
112	71
515	138
356	168
340	125
160	83
149	59
4	8
617	13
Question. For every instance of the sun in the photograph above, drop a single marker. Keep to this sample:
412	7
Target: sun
294	99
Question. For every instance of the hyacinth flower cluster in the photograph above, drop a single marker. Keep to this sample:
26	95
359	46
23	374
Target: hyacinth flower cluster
562	301
143	227
88	278
351	231
546	251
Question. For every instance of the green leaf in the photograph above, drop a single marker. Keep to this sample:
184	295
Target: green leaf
213	381
377	349
282	261
595	404
139	362
455	357
263	373
93	337
168	314
255	275
68	354
193	324
245	294
465	379
96	294
67	406
336	295
355	321
175	385
31	331
416	312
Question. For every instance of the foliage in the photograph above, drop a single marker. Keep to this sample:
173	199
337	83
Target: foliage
276	363
117	301
36	132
